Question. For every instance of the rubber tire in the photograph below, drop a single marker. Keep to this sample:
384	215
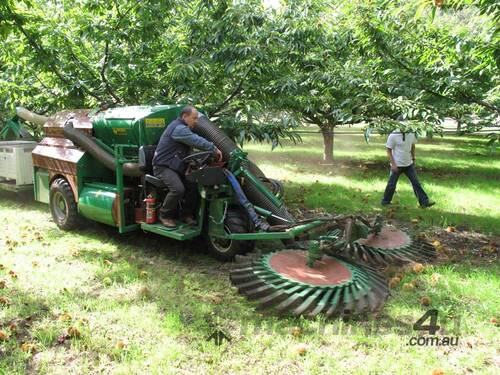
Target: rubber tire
70	219
237	221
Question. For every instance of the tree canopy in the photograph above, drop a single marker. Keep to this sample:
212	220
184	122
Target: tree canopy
260	70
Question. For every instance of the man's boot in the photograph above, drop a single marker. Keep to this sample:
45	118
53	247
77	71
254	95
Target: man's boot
189	220
168	223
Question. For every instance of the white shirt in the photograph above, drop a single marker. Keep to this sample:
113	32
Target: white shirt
401	150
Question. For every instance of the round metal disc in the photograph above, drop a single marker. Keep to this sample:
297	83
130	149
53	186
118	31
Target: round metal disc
389	246
389	238
292	264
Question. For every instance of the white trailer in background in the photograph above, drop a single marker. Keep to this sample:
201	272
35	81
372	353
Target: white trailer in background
16	165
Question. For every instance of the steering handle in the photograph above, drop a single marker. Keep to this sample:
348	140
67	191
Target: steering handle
198	156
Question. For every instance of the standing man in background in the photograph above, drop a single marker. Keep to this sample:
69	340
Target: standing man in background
400	149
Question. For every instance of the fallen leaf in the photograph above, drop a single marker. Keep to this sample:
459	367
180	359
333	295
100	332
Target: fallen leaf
73	332
143	274
28	347
301	348
414	221
394	282
426	301
450	229
120	345
3	336
418	268
4	301
437	371
144	292
296	331
65	317
13	274
435	277
408	287
2	284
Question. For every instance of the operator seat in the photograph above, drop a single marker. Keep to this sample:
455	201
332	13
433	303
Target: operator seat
146	154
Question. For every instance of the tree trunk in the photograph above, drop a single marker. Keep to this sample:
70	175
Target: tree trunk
327	145
459	127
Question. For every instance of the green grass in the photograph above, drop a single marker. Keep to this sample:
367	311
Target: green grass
95	280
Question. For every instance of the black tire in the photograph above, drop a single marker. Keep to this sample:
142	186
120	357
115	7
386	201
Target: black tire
63	206
237	221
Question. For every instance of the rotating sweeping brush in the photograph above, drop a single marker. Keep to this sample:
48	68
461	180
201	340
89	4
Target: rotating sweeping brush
390	245
282	280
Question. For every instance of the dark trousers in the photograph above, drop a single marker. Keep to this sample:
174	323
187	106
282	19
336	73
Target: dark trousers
178	187
411	173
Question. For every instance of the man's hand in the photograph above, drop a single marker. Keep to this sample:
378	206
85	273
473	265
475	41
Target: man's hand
394	168
218	154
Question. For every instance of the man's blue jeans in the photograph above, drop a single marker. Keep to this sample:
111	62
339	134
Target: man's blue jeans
411	173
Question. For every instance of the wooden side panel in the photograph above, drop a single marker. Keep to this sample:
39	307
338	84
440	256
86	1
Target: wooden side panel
60	159
59	156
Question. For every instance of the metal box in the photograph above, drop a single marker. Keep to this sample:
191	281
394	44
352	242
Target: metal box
16	166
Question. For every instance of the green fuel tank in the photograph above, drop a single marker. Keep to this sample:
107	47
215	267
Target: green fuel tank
135	125
98	202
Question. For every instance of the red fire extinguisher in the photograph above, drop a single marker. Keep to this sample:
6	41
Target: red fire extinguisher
150	209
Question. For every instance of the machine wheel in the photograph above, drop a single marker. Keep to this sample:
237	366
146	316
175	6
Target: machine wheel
62	205
236	221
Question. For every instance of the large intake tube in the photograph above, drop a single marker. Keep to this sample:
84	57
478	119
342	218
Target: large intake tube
31	116
210	131
88	144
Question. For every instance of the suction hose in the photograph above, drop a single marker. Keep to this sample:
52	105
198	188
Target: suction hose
89	145
210	131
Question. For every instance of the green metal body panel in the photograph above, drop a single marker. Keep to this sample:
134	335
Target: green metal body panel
136	125
89	169
96	202
41	185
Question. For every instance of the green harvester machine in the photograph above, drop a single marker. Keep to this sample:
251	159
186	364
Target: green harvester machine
96	164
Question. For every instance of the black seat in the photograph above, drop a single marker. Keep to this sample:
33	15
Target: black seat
146	154
154	181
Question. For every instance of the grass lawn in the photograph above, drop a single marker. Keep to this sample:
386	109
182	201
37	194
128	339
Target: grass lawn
98	302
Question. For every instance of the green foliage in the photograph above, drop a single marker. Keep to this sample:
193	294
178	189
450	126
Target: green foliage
258	70
385	127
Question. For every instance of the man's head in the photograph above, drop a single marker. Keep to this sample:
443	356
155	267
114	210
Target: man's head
189	115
